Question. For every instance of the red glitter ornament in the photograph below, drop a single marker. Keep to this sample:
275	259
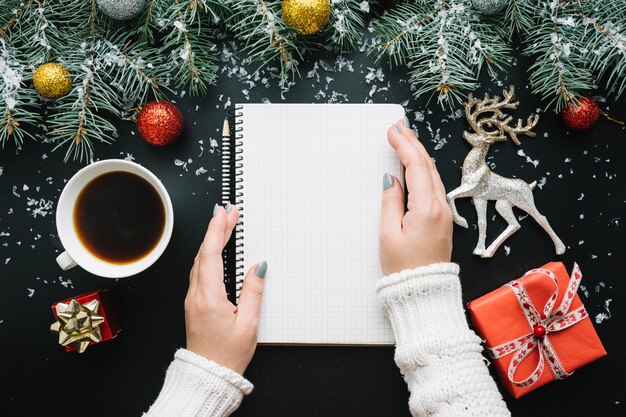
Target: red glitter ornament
581	115
160	123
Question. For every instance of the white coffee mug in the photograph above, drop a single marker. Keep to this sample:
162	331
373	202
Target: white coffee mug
75	252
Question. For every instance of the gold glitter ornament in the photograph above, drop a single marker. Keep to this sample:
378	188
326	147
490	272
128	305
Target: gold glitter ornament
52	80
307	17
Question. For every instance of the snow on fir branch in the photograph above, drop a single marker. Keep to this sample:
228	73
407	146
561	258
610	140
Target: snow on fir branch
347	23
608	43
76	122
28	25
267	39
17	113
134	70
577	46
40	36
11	76
400	28
444	44
189	42
558	73
41	28
13	118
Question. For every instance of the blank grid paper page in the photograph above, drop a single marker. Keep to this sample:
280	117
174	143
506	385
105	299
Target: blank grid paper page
312	188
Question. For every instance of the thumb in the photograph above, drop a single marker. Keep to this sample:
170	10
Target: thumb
249	306
393	205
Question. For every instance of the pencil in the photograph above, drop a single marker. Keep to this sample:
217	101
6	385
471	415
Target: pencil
226	129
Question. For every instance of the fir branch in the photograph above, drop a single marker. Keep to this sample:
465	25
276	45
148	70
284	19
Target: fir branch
559	73
76	123
444	44
15	101
346	23
190	45
39	38
453	73
278	39
400	28
134	69
606	40
147	29
519	17
7	10
17	114
265	35
17	15
213	8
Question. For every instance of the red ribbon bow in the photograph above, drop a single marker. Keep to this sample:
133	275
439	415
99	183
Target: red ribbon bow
541	325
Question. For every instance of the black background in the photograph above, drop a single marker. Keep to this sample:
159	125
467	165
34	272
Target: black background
583	198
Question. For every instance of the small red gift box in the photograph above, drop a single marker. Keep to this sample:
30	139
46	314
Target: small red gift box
85	320
536	328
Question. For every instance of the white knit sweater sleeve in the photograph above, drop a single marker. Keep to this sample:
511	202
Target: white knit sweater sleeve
438	355
197	387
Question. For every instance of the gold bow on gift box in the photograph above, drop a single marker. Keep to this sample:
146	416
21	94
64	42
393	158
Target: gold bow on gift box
78	324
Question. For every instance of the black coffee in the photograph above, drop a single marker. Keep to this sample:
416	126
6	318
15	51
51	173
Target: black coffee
119	217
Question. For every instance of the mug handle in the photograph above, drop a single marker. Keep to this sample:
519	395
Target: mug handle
65	261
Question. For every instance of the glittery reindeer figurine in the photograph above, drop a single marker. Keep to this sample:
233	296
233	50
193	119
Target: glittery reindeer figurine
482	184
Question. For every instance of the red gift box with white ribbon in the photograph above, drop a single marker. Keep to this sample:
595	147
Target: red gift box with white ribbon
536	328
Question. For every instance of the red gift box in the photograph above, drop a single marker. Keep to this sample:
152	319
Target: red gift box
109	326
536	328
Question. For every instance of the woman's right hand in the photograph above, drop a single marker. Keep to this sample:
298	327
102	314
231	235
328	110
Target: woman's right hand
216	329
423	234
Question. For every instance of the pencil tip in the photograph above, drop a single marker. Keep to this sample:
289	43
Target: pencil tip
226	128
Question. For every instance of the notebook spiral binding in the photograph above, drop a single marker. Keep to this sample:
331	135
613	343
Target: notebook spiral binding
232	189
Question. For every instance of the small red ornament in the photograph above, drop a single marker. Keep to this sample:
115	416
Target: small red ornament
160	123
539	330
581	115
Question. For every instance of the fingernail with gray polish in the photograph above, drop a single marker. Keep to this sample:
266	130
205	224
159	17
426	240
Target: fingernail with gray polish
228	207
406	122
395	128
216	209
387	182
261	269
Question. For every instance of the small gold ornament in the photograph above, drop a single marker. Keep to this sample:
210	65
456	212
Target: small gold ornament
307	17
52	80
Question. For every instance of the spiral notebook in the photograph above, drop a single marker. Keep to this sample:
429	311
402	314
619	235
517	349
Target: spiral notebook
308	181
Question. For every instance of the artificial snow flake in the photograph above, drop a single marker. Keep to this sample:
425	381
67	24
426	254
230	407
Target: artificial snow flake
11	76
180	26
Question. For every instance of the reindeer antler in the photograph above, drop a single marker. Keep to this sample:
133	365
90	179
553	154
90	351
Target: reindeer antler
519	129
476	107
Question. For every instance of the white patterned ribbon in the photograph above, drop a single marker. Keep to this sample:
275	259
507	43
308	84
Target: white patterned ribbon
541	325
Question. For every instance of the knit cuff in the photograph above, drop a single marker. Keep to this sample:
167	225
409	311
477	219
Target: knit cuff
439	356
424	305
197	387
